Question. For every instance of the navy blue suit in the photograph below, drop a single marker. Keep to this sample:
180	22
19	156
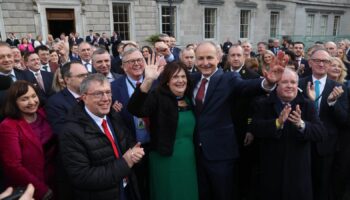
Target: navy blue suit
215	138
57	108
176	52
323	152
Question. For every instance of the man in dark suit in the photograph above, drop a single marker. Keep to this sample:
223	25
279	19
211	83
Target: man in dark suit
12	40
44	55
115	40
101	61
276	46
174	50
303	66
43	78
215	139
74	53
122	89
84	50
286	123
188	57
90	38
332	106
60	103
78	39
241	113
97	150
57	108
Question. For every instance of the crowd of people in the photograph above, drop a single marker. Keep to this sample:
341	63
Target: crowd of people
99	118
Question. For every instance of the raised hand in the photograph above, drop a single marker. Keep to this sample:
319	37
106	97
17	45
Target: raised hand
274	74
295	116
153	69
117	106
284	114
335	94
310	91
248	139
134	154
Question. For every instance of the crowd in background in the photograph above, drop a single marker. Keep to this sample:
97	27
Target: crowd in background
100	118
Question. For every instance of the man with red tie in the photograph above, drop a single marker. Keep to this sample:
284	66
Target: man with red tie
215	139
97	150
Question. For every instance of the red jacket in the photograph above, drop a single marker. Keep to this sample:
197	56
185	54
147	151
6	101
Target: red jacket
22	155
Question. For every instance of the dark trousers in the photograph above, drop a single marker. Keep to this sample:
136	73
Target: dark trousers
215	178
322	175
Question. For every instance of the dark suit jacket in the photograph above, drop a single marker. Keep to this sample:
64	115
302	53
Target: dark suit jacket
13	42
241	107
285	153
115	41
57	107
120	93
331	116
214	128
307	69
176	52
116	65
89	40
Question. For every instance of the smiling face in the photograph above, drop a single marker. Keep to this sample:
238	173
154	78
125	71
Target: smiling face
28	103
102	63
132	67
6	59
268	58
99	106
319	63
178	83
33	62
334	70
287	87
207	59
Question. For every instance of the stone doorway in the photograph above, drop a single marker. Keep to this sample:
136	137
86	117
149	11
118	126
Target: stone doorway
60	21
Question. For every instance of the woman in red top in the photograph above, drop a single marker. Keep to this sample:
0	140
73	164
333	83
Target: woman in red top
27	144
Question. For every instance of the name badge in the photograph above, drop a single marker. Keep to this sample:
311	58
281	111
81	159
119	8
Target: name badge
140	123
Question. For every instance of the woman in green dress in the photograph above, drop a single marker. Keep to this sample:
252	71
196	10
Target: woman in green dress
172	159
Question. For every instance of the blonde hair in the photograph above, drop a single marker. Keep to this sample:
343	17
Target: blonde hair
343	74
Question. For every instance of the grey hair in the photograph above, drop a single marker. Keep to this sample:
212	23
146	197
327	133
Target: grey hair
99	51
128	52
85	84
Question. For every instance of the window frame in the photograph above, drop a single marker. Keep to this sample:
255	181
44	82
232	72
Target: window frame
215	24
174	21
309	31
276	24
129	23
249	21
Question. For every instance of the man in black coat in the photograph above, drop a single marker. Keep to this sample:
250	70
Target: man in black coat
332	107
241	113
97	150
286	123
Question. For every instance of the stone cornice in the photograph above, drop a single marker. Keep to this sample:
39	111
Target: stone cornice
246	4
211	2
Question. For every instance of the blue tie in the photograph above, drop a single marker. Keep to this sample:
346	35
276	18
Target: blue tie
317	91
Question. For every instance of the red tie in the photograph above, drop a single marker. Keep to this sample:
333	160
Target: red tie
110	138
200	95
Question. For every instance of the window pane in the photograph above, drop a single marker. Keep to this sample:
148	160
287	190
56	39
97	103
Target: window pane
209	22
121	20
310	24
274	21
168	22
336	25
244	23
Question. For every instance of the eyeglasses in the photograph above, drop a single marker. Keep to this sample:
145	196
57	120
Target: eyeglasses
100	94
134	61
318	61
80	75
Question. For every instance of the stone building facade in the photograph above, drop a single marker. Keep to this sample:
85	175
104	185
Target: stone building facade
192	21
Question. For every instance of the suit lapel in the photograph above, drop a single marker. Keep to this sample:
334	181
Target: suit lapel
325	93
213	83
30	135
69	97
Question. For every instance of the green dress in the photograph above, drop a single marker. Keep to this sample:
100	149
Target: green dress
175	177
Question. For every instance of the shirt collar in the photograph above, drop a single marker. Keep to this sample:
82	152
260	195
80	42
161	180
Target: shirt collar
237	70
9	74
322	80
94	117
75	95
